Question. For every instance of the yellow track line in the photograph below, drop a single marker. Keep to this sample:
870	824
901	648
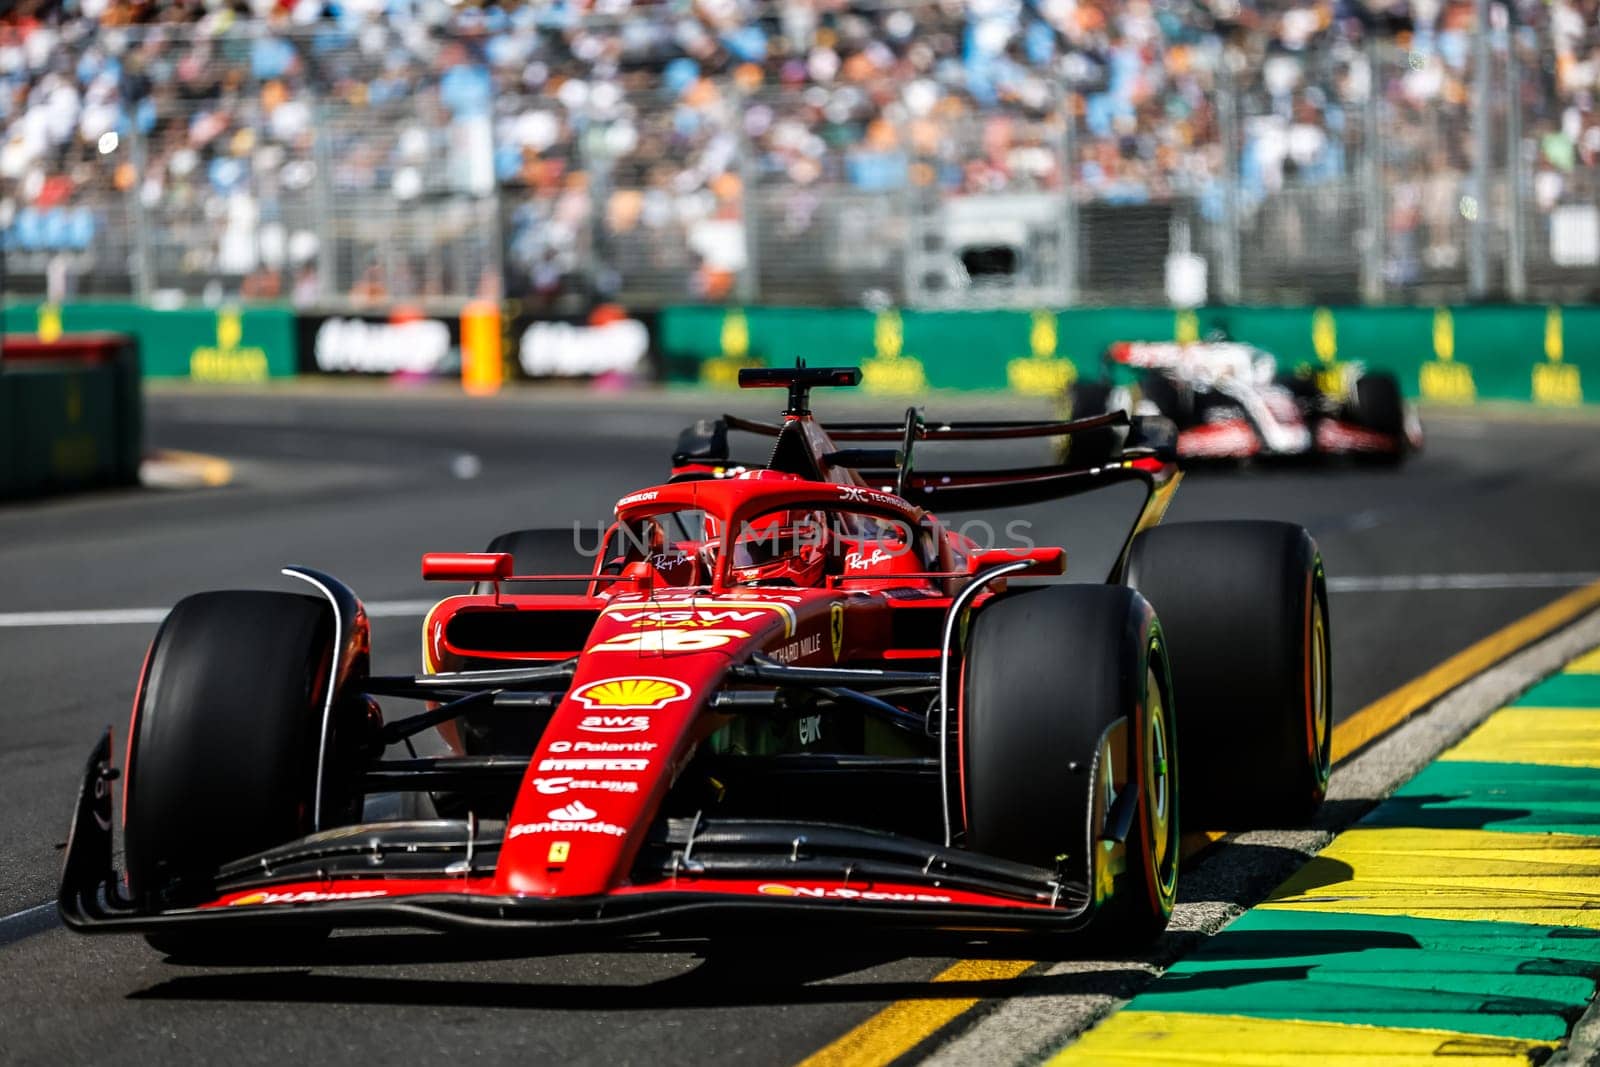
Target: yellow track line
211	471
1387	712
897	1029
903	1025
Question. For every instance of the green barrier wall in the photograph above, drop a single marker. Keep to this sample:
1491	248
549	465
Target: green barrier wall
212	345
67	425
1446	354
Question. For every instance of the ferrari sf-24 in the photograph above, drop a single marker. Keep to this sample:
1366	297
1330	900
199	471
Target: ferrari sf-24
781	692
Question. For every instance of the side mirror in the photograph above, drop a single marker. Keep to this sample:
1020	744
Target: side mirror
1044	560
466	566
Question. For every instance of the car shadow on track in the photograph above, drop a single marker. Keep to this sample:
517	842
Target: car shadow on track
709	985
753	970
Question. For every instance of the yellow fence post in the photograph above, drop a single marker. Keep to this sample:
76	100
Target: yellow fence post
481	358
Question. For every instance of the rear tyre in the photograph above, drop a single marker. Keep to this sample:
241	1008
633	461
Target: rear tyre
1244	606
223	749
1093	448
1066	704
1379	406
1175	401
502	731
551	551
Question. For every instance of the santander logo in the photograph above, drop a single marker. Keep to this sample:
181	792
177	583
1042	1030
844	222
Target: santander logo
577	811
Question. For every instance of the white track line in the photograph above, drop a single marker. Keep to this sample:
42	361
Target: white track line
409	609
31	920
23	924
377	609
1415	583
27	913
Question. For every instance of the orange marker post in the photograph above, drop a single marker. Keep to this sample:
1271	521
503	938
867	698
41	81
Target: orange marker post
481	358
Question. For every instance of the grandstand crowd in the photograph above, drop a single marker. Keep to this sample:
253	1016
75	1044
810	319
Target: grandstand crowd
224	121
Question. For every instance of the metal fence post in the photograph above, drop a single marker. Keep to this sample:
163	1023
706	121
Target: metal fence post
747	289
1228	128
1516	188
139	255
595	160
1372	209
497	216
1478	215
322	200
1066	146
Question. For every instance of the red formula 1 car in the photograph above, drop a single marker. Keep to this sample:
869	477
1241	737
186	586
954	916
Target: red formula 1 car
1232	401
778	690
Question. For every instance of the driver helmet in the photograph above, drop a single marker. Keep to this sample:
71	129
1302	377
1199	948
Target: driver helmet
784	546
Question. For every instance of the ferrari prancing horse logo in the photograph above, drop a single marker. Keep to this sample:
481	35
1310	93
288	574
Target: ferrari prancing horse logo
836	629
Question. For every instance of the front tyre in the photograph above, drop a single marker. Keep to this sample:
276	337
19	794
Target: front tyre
224	746
1066	717
541	551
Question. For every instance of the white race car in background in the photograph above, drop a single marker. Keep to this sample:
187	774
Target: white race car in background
1231	400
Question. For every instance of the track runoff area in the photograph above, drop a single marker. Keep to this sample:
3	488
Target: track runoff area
1458	918
1491	521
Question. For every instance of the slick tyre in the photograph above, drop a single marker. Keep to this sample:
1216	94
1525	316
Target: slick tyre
1092	448
549	551
224	744
1176	402
1244	607
499	731
1378	406
1066	706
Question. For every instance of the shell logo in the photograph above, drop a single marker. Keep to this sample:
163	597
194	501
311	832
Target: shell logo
631	694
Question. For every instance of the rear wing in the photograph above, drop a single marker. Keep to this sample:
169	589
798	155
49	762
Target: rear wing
997	430
1146	452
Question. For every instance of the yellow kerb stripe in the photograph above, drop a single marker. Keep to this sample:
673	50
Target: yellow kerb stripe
1175	1039
1559	737
1588	663
1464	875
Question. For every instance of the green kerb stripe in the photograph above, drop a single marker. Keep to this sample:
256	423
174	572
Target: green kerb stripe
1563	691
1518	797
1502	979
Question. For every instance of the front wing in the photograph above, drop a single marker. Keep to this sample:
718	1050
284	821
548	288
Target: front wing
953	891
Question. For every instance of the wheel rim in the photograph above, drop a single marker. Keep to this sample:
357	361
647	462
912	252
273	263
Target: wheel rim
1321	719
1158	781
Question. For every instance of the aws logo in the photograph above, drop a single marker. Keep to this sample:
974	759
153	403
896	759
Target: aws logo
615	724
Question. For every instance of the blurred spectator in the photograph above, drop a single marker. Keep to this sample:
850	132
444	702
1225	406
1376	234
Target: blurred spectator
642	133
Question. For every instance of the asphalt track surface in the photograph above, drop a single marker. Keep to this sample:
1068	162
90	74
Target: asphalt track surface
360	483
